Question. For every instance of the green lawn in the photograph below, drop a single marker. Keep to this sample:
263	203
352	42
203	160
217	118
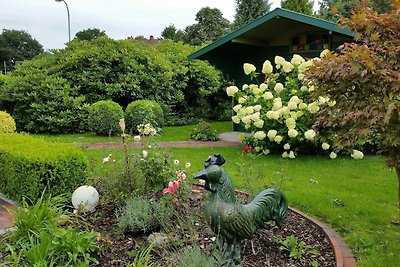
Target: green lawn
167	134
356	198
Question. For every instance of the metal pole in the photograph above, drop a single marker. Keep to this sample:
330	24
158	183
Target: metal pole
69	19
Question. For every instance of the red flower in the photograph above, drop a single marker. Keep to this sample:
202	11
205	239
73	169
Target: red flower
246	149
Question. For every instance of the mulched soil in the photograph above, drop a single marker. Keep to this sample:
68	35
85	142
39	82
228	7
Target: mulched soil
261	250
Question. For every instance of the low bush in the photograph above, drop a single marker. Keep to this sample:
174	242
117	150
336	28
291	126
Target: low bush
30	165
141	215
104	116
39	240
143	112
7	123
204	132
195	257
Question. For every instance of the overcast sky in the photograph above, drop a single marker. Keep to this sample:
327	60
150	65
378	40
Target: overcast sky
46	20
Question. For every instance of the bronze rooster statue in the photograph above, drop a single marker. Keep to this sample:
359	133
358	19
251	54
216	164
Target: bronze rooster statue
231	220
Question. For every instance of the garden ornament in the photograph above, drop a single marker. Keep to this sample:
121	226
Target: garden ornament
231	220
85	198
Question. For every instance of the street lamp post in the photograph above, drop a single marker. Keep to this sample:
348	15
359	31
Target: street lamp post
69	19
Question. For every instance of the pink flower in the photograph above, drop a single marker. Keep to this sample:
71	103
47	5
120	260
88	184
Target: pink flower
165	191
174	200
181	175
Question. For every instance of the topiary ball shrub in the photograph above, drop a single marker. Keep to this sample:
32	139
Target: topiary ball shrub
104	116
204	132
143	112
7	123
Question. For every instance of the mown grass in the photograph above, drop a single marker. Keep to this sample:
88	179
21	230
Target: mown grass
356	198
168	134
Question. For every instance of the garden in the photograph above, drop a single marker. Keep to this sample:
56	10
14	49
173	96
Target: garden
324	140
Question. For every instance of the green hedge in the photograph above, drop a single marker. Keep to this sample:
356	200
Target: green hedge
28	165
143	111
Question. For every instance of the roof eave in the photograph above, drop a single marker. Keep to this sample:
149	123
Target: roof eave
278	12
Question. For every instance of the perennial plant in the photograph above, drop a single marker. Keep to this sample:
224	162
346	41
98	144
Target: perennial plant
279	112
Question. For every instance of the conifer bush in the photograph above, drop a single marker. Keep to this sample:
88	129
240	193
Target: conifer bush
7	123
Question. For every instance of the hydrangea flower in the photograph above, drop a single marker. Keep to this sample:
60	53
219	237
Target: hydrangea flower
279	61
236	119
278	139
297	59
268	95
286	146
357	154
248	68
231	90
257	108
332	155
237	107
278	88
313	107
260	135
241	100
325	146
292	133
259	123
267	67
287	67
310	134
290	123
271	134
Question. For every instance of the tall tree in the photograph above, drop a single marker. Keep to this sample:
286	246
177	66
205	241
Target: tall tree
17	46
210	26
90	34
249	10
172	33
301	6
334	9
364	80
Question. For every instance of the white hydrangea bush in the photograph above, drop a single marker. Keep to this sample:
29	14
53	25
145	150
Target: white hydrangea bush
279	111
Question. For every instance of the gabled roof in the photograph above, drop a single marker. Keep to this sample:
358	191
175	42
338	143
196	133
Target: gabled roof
276	13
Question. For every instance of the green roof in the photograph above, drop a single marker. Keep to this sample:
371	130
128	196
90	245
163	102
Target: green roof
275	14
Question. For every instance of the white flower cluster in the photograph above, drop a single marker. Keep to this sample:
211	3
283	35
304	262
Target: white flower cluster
146	130
278	111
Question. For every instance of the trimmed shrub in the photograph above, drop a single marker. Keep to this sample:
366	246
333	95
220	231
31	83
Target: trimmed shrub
29	165
143	112
204	132
7	123
104	117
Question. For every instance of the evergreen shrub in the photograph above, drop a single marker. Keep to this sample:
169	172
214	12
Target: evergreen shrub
143	112
7	123
204	132
104	116
29	166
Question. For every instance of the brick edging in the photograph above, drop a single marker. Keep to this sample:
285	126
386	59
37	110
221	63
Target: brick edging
167	144
343	256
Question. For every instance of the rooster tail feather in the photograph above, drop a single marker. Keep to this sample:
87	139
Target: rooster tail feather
269	205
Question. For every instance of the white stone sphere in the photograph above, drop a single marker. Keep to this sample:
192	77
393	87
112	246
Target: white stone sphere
85	198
